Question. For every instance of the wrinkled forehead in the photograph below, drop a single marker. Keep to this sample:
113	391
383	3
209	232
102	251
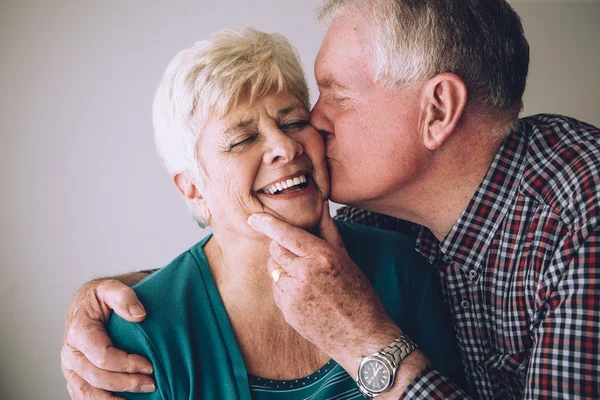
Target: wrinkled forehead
274	105
343	53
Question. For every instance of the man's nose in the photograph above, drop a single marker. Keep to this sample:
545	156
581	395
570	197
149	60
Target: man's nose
320	121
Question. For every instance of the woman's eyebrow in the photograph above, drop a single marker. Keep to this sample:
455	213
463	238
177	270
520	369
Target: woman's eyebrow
232	130
282	112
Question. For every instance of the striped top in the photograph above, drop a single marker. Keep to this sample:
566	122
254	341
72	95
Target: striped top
330	382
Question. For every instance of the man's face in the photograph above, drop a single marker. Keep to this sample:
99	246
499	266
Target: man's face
371	131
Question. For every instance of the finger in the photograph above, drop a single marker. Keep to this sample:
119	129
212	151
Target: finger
122	299
98	378
284	258
79	389
328	229
295	239
89	337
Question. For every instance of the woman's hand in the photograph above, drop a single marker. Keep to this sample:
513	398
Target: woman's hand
89	362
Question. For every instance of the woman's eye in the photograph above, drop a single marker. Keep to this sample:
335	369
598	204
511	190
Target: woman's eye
294	126
247	140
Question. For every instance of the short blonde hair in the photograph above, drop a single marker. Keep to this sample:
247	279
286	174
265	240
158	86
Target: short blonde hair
208	80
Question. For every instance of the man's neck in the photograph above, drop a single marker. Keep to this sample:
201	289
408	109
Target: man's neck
439	196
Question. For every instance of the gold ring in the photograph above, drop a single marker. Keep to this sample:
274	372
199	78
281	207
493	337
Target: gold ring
276	274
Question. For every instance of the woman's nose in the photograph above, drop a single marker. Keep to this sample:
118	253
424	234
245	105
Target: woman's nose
282	148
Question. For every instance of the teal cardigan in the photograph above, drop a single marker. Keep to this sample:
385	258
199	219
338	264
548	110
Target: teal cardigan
188	338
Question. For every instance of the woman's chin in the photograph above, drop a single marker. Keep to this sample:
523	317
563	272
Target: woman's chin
305	219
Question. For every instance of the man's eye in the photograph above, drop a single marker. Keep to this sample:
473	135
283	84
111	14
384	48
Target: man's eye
247	140
294	126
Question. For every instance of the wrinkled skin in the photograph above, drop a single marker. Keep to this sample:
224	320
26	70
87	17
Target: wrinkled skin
91	366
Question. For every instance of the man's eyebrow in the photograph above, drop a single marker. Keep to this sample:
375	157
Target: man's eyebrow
330	83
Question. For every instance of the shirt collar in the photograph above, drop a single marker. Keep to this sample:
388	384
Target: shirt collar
468	240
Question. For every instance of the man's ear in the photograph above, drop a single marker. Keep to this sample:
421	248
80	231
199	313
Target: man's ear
444	98
189	190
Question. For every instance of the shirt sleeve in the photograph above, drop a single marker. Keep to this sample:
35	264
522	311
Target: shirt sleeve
565	360
431	385
130	337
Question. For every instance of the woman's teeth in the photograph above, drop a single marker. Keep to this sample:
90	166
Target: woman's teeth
288	183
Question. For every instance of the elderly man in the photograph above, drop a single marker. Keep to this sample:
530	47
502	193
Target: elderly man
419	104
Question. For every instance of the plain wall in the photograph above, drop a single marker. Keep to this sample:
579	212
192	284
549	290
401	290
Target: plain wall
83	193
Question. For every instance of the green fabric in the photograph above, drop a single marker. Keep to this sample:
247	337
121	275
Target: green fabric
187	336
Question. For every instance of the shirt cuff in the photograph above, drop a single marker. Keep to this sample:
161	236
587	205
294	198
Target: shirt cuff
431	385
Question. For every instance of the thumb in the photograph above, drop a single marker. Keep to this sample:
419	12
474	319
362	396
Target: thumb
329	231
122	299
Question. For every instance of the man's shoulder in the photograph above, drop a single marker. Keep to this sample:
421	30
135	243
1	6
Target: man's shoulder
167	293
562	166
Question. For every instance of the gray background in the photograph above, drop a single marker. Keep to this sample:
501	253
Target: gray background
83	193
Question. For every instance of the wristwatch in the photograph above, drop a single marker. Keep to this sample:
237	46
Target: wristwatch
376	373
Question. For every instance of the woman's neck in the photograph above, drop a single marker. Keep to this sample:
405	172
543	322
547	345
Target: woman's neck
239	268
270	347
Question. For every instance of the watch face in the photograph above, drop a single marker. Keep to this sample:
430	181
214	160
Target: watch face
374	375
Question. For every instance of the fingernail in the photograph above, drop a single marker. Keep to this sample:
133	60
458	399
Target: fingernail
253	221
147	371
148	388
136	311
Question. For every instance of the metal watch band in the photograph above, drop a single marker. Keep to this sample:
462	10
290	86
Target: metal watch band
398	350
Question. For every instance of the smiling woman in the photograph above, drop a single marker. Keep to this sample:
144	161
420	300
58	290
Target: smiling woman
232	128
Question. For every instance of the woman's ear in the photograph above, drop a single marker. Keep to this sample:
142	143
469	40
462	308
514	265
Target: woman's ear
444	98
190	192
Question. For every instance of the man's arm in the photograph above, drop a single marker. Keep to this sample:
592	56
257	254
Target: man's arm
565	360
131	278
327	299
89	362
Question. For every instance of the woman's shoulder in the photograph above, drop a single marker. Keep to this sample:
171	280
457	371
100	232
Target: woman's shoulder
351	231
168	294
172	280
380	251
375	241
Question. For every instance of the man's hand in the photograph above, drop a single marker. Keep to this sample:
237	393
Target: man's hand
90	364
323	294
326	298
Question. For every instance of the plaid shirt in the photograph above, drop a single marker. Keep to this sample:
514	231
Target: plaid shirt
520	269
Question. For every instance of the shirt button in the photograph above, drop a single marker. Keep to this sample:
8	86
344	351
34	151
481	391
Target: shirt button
473	274
465	304
480	370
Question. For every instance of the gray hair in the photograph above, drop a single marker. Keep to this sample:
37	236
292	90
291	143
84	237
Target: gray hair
481	41
208	80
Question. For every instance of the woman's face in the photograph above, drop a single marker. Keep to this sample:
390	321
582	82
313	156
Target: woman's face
263	158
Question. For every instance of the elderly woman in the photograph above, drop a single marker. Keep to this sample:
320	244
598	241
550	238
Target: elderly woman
231	127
